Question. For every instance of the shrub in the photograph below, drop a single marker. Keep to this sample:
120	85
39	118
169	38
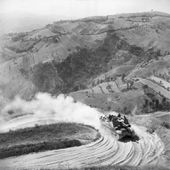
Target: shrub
166	125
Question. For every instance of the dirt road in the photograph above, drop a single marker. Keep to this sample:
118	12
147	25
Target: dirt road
105	151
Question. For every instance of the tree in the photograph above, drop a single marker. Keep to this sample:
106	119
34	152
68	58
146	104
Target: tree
123	77
131	84
157	103
126	111
164	100
109	108
93	83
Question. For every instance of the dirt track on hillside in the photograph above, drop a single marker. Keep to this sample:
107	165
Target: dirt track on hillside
105	151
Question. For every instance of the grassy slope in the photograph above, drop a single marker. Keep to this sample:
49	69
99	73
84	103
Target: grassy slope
106	99
158	122
45	137
90	46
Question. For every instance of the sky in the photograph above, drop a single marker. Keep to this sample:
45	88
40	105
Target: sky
23	15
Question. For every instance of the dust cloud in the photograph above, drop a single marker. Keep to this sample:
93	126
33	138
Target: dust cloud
46	109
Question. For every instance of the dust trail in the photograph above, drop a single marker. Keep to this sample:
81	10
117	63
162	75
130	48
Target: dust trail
48	108
105	151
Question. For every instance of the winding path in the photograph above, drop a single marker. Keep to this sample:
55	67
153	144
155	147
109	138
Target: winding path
105	151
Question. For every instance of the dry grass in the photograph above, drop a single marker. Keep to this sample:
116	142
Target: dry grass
47	137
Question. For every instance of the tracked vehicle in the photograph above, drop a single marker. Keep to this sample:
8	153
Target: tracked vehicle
121	126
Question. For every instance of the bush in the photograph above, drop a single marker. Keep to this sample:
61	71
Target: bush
166	125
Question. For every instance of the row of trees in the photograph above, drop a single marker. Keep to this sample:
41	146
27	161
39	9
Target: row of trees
105	79
129	83
163	76
154	105
155	102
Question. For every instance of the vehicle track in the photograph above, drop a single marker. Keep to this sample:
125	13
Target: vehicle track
105	151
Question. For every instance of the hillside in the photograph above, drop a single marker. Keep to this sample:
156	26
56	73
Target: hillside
98	57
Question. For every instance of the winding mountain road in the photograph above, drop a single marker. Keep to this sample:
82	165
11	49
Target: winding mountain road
105	151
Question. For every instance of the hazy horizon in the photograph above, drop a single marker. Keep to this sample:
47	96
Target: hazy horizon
25	15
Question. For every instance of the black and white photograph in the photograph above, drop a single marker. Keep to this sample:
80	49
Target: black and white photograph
84	84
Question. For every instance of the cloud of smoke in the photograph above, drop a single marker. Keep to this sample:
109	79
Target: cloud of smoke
46	109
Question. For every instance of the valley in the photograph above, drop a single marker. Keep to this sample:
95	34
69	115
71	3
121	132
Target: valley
74	71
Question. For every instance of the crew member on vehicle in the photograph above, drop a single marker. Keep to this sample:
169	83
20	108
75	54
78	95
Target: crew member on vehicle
126	122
